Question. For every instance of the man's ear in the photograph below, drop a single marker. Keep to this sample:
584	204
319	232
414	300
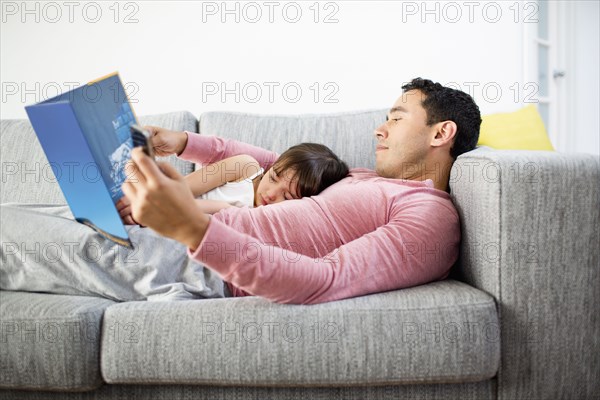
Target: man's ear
445	133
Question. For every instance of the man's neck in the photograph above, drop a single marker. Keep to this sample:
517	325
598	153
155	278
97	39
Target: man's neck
438	172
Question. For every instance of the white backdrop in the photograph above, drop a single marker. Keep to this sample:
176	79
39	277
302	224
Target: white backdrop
266	57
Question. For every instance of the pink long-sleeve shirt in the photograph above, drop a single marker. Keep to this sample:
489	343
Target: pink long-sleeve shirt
362	235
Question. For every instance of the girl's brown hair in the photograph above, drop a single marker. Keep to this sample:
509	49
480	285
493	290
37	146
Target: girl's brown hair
315	167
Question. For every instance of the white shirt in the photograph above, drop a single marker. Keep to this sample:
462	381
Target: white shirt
238	194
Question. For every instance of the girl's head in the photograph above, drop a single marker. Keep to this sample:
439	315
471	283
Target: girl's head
302	170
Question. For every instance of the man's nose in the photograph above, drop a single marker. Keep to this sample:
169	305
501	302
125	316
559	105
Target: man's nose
381	132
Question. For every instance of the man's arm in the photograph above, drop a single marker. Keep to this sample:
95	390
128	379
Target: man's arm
416	247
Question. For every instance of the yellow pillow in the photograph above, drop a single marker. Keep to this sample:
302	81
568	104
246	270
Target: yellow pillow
519	130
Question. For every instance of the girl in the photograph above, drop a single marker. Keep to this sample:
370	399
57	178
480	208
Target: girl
302	170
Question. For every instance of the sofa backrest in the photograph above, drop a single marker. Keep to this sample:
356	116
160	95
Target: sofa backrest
349	135
28	177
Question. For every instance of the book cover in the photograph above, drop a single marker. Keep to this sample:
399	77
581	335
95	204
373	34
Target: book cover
86	130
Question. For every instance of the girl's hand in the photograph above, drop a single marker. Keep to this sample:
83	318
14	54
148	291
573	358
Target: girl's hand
166	142
124	208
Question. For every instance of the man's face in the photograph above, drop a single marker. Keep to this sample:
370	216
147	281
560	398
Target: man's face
403	140
274	189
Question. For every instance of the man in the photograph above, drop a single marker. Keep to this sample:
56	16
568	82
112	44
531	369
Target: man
373	231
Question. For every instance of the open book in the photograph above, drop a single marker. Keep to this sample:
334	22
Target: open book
87	131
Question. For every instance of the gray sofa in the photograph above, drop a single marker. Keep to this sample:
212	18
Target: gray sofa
517	319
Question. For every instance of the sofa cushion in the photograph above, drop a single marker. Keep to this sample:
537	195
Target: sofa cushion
27	177
519	130
349	135
50	342
442	332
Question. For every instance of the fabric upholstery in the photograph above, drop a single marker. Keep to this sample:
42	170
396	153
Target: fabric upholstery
530	226
50	342
349	135
464	391
438	333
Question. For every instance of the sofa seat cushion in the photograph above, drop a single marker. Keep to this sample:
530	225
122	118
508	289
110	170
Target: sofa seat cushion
50	342
442	332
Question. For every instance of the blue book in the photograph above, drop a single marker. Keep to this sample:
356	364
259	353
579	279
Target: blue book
87	130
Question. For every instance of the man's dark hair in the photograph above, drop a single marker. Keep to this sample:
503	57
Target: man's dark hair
315	166
446	104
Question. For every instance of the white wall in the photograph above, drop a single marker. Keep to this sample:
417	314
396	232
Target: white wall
172	52
585	107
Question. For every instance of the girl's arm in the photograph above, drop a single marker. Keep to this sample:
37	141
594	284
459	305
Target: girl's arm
205	149
231	169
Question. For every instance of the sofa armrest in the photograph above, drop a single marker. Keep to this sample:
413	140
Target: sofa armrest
530	239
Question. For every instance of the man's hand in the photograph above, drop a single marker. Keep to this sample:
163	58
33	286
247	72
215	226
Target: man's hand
161	200
166	142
